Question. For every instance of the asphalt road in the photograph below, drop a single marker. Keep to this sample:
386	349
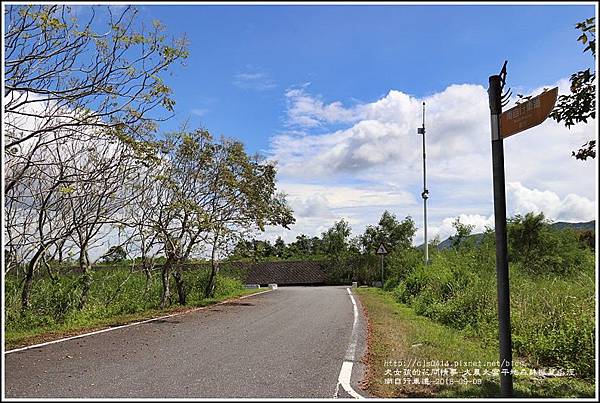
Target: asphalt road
289	342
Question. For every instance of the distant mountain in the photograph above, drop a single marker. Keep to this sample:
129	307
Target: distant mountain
447	243
579	226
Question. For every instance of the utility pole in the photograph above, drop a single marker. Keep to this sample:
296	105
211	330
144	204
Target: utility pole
495	99
425	194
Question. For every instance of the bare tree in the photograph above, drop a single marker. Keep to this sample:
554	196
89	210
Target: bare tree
137	217
96	198
35	211
243	198
68	83
63	77
182	196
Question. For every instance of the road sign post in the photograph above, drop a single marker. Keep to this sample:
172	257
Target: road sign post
527	114
521	117
495	99
381	251
381	266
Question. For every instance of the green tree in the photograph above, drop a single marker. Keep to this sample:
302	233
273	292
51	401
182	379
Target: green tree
280	248
212	193
587	239
114	254
242	198
262	249
389	231
242	250
303	245
65	76
540	249
462	232
580	104
525	234
335	239
71	79
316	246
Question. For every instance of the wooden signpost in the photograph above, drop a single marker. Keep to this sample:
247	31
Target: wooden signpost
528	114
515	120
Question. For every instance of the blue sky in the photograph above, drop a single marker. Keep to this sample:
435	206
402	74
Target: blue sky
355	53
333	94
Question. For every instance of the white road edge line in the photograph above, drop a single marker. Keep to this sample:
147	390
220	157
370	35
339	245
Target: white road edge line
130	324
346	371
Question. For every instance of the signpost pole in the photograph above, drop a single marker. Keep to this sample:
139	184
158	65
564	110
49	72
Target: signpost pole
506	381
381	251
381	264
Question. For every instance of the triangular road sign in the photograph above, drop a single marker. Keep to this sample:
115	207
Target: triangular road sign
382	250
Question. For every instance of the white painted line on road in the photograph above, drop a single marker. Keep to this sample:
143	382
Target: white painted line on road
130	324
351	352
344	379
346	371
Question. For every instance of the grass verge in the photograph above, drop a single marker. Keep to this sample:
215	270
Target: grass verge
403	346
22	338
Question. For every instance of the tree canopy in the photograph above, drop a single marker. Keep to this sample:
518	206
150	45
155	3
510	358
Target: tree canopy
580	105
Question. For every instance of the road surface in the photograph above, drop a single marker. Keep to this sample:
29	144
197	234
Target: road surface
290	342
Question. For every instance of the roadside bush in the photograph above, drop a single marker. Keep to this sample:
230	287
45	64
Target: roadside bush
552	294
349	266
196	280
400	264
553	321
539	249
114	292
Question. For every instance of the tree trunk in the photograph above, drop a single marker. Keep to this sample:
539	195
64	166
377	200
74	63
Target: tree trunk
166	292
209	291
84	266
49	269
147	268
59	248
28	283
179	283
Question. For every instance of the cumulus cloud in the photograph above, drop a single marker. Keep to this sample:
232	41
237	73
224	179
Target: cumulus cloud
571	208
373	148
312	206
382	132
522	200
305	110
446	229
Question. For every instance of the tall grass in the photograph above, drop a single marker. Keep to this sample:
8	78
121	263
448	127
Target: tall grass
552	313
115	292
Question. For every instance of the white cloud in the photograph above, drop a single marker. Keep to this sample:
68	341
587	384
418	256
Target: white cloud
199	111
521	200
373	148
571	208
345	197
384	132
254	80
305	110
446	228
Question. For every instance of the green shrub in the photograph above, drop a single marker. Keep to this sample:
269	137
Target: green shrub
540	249
115	291
552	295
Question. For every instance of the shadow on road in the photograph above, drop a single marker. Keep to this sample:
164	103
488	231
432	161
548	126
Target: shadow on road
239	304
